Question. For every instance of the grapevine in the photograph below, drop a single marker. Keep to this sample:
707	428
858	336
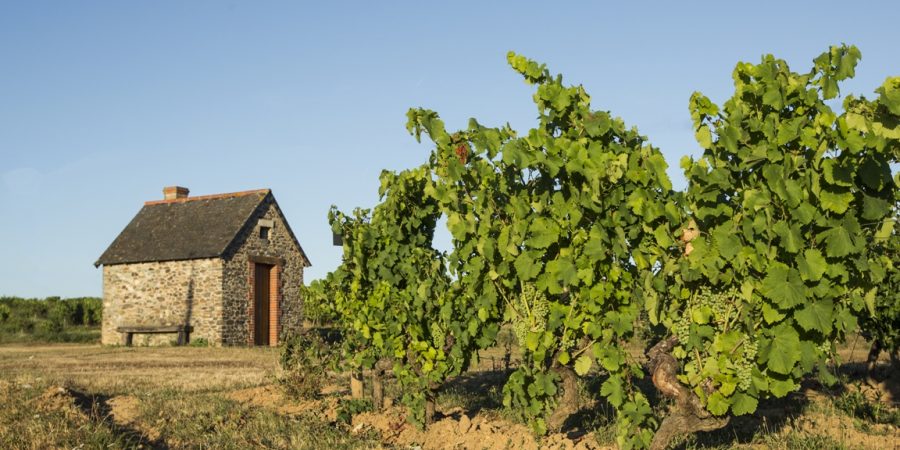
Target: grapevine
570	234
560	231
779	196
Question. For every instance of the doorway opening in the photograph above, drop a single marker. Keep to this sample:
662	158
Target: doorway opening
264	295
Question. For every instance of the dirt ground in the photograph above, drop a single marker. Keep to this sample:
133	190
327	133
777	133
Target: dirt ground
123	381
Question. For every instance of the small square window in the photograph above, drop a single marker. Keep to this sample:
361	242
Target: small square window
264	233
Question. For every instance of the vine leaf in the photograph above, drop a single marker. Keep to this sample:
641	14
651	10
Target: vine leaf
717	404
835	201
743	404
544	232
613	391
875	208
526	267
816	316
783	286
771	314
785	349
838	243
789	235
812	265
583	365
780	388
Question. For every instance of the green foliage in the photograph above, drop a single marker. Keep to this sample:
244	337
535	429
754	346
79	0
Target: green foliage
530	392
318	307
50	320
393	295
349	407
786	194
881	321
304	360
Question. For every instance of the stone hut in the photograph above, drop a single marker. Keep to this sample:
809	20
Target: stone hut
228	265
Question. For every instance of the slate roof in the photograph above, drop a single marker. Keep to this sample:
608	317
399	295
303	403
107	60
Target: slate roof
186	228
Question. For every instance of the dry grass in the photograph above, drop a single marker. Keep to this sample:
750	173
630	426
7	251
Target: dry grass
122	370
87	396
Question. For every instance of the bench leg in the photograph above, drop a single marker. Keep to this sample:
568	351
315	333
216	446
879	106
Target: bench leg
128	339
181	338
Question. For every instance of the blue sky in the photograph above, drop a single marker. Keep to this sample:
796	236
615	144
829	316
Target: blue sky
104	103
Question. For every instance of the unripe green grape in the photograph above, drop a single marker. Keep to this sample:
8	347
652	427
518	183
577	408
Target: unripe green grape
438	335
532	310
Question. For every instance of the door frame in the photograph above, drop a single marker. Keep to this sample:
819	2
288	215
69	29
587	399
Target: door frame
275	297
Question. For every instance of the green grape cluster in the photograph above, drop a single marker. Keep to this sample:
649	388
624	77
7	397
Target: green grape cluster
721	304
716	308
745	363
567	341
682	328
531	312
438	335
718	311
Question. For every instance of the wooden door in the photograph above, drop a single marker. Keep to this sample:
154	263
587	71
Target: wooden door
261	300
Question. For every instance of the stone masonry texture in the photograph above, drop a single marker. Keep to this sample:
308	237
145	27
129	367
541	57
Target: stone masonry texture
163	293
237	276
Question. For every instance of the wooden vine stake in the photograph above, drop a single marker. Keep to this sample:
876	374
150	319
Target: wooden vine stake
356	385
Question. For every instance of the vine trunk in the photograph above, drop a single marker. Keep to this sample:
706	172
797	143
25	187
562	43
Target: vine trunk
569	401
687	414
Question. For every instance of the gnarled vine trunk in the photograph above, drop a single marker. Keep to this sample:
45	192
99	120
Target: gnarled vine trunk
872	361
687	415
569	402
429	408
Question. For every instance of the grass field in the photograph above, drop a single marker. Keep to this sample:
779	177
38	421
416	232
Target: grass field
88	396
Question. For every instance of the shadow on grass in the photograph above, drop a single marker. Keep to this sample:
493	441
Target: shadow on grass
886	377
97	408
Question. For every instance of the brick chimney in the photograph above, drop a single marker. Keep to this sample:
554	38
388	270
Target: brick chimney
175	192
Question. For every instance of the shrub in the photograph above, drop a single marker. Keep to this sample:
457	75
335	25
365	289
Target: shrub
349	407
303	359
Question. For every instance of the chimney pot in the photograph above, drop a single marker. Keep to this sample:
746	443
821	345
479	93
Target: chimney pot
175	192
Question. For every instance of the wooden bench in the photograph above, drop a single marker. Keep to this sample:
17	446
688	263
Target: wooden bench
184	332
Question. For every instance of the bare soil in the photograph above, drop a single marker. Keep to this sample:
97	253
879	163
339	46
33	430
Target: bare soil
457	430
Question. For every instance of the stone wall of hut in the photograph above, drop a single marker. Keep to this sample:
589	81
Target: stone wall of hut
163	293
